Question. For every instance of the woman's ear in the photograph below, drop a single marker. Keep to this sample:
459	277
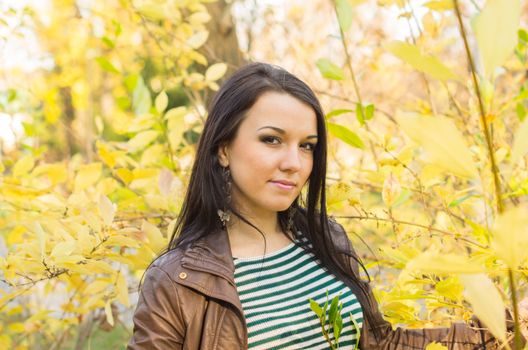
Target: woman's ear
223	159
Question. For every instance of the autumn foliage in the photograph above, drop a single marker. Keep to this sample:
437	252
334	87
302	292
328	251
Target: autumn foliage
428	153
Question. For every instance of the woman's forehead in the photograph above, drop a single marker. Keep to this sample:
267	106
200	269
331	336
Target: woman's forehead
283	111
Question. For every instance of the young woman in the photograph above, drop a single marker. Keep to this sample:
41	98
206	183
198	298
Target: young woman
250	248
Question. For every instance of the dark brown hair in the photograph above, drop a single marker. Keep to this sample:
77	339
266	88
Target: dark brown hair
205	193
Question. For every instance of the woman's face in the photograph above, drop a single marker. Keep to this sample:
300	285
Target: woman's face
271	156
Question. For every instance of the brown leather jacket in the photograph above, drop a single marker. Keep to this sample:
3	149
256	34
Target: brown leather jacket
189	301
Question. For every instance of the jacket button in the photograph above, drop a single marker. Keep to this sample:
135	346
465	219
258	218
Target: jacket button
183	275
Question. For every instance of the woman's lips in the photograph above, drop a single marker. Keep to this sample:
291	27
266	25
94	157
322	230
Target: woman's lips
283	185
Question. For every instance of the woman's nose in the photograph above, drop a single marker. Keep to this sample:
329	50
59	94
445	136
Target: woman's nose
291	160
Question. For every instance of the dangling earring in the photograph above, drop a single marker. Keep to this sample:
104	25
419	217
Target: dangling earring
224	214
291	215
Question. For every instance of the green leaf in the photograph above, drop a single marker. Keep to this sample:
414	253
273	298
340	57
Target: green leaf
337	112
369	111
106	65
521	111
141	97
359	114
496	32
344	14
523	36
358	330
345	135
333	309
329	70
427	64
108	42
457	201
316	308
338	327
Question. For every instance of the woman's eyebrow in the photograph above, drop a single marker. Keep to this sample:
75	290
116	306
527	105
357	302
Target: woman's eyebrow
282	132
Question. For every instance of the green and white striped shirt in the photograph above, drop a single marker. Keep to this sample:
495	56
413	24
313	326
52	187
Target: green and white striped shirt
274	291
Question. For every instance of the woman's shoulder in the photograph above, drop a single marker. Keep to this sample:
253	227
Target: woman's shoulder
169	262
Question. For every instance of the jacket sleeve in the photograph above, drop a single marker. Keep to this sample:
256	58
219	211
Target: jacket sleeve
158	321
459	336
378	334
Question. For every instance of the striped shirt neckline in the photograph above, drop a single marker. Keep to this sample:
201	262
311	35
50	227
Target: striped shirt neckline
274	290
267	255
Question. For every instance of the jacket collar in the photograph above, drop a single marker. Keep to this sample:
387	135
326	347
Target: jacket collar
210	267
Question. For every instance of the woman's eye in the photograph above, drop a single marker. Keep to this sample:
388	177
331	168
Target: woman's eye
271	140
309	146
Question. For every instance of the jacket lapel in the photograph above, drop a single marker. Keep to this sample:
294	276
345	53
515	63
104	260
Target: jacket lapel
210	268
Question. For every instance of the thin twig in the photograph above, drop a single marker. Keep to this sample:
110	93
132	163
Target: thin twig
356	86
401	222
489	142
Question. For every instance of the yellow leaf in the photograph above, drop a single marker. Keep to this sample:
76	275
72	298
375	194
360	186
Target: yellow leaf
391	190
450	288
108	313
125	175
161	102
98	266
141	140
424	63
41	238
106	155
198	18
153	11
443	143
68	260
85	240
520	144
338	192
510	236
440	5
443	264
154	235
87	176
215	72
16	235
107	186
198	39
177	113
165	178
63	248
5	341
107	209
96	287
122	241
23	165
157	201
17	327
486	302
122	290
435	346
57	173
496	32
152	155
